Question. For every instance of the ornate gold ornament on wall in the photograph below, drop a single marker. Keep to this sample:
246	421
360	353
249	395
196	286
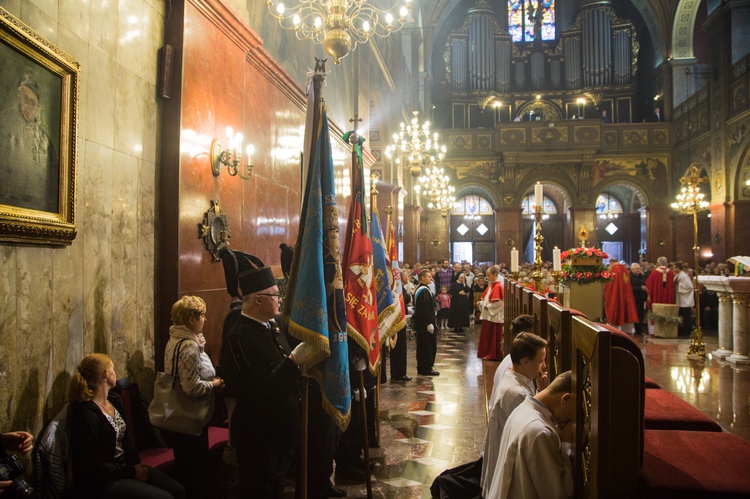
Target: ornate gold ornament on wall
549	135
214	230
509	199
461	142
486	170
586	133
634	137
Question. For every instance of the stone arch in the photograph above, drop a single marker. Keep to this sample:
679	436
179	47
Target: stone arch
473	187
639	190
683	28
564	186
740	189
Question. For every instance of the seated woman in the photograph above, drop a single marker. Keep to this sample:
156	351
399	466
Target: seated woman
105	463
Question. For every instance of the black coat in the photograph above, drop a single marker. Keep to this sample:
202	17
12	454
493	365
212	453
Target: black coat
636	281
92	441
264	381
424	308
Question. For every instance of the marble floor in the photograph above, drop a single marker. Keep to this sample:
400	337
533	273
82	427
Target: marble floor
432	424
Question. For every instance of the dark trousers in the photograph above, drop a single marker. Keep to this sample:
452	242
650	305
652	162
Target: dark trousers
640	304
426	350
159	485
687	321
192	462
263	469
322	439
398	356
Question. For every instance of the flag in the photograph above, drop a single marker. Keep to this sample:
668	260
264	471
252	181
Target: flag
396	284
315	293
390	319
361	302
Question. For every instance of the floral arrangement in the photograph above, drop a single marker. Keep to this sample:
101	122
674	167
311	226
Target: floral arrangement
584	274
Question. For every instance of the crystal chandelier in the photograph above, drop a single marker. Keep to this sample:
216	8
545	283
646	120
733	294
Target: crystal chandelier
434	185
414	148
338	25
690	199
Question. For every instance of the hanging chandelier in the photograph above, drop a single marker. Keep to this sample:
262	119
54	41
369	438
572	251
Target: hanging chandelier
414	148
338	25
691	200
434	185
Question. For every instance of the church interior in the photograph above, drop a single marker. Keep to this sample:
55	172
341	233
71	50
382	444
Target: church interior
608	105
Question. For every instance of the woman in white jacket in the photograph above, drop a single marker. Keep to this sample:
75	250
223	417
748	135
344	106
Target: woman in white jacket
197	379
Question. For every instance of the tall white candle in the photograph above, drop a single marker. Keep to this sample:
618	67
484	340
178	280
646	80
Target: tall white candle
514	260
538	196
556	264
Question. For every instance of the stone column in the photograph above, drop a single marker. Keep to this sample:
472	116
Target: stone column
739	329
725	326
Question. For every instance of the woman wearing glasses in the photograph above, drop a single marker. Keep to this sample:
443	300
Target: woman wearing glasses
197	379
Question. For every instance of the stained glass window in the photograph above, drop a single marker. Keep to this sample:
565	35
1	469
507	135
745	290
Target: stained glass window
472	205
526	17
529	204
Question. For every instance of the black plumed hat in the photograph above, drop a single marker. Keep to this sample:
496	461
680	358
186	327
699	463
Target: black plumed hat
237	263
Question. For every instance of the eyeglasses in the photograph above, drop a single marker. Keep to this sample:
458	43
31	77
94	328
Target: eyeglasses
272	295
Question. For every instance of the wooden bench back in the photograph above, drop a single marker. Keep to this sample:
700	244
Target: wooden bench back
558	339
539	312
609	431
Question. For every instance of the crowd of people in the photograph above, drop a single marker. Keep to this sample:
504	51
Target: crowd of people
261	367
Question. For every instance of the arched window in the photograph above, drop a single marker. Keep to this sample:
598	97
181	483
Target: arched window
472	205
529	204
526	17
607	206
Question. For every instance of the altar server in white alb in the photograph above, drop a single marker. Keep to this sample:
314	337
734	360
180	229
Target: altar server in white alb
535	457
528	353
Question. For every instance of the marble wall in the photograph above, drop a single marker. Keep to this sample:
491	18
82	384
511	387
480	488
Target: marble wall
57	304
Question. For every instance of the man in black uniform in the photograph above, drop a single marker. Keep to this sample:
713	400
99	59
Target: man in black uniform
638	282
424	323
263	377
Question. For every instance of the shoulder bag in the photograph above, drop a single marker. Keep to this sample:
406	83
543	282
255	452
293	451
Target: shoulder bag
171	409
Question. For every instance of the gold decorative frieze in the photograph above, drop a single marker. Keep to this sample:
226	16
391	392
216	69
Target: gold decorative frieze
486	170
632	137
484	141
549	135
610	137
460	142
661	137
513	136
587	133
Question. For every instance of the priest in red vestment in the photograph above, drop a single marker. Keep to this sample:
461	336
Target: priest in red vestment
493	316
619	303
660	284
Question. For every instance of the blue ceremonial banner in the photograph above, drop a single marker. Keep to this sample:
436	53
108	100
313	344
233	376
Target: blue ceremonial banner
390	319
316	289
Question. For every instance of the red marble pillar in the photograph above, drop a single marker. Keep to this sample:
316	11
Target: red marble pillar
738	226
659	236
684	239
719	231
412	233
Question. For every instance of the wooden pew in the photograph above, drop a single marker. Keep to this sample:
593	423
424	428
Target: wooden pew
615	457
609	433
539	312
558	339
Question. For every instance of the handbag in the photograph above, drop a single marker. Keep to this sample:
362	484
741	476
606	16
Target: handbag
171	409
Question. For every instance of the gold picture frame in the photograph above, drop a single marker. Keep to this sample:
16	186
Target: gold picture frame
38	120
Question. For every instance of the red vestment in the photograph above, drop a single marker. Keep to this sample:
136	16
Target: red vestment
491	334
660	286
619	304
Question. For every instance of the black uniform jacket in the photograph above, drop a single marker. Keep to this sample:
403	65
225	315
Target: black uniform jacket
264	381
424	307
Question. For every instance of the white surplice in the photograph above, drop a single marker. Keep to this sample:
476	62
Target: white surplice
511	391
535	463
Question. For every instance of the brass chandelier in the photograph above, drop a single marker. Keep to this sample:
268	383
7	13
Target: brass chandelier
414	148
338	25
434	185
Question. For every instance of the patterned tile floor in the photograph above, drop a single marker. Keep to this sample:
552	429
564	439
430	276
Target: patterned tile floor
428	424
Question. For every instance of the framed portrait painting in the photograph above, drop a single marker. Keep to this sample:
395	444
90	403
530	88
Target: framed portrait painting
38	112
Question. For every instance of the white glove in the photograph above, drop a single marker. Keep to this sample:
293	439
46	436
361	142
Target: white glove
430	328
300	353
356	394
360	364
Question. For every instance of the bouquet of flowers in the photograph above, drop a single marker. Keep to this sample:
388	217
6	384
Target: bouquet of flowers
584	265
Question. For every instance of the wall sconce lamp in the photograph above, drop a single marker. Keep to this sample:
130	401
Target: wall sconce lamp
435	242
231	157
